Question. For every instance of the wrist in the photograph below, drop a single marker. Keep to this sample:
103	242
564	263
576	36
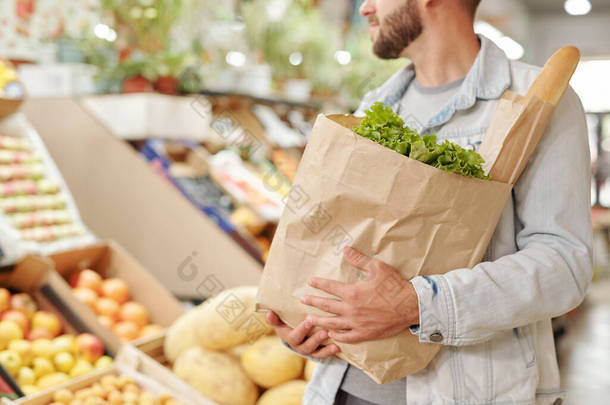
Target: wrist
407	306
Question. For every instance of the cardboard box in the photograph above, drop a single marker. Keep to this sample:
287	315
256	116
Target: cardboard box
35	276
120	197
153	348
111	260
149	376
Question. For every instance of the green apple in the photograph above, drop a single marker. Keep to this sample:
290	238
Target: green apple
81	367
64	362
64	343
103	362
42	366
43	348
26	376
11	361
9	330
24	349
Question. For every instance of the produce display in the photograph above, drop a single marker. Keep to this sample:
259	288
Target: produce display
227	352
50	233
382	125
30	202
111	389
110	299
36	352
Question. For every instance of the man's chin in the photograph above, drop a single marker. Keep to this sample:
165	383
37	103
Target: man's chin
384	54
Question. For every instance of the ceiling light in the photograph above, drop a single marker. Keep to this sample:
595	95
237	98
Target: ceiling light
343	57
577	7
104	32
295	58
235	58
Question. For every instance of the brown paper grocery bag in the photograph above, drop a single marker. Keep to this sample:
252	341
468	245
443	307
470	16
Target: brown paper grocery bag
350	191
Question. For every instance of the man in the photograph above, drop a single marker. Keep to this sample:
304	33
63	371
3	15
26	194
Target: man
493	321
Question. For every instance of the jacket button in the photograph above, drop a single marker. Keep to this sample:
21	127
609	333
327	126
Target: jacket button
436	337
558	401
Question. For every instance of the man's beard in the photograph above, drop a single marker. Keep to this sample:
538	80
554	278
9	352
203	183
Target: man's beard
398	30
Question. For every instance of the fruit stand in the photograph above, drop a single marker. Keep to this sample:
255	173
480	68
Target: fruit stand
97	321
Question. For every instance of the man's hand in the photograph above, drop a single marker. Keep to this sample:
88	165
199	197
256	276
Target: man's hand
299	341
383	305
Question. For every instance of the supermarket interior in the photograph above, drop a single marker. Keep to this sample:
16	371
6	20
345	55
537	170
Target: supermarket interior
150	154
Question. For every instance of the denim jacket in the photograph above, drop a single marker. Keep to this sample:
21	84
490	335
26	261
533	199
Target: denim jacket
494	320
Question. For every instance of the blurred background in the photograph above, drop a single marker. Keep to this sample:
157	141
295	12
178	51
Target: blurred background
176	126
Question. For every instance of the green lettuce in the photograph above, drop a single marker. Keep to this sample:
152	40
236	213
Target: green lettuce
382	125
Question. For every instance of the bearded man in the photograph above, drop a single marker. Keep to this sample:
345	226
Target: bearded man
494	320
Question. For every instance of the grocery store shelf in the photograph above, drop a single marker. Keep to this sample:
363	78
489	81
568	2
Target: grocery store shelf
122	198
263	100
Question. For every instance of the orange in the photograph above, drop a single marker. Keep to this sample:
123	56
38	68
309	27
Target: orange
86	278
126	330
107	307
116	289
134	312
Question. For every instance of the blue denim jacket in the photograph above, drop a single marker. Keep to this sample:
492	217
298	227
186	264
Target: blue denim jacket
494	319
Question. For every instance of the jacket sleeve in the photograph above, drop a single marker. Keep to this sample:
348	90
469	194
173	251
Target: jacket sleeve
552	268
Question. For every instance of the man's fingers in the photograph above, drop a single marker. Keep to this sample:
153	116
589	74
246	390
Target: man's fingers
298	334
330	322
311	344
273	319
357	259
350	336
333	287
330	305
326	351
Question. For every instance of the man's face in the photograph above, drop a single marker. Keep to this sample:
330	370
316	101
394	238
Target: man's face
393	25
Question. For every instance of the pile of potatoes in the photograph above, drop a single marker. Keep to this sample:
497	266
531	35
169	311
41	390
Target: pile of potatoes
111	390
229	353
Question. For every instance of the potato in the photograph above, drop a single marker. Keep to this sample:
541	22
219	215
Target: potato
288	393
220	323
310	365
216	375
237	351
268	363
180	336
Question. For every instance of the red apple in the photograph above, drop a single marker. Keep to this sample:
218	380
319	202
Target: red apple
39	333
89	346
23	302
87	279
5	299
19	318
47	320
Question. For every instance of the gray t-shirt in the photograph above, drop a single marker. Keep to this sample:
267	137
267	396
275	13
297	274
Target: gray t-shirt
417	106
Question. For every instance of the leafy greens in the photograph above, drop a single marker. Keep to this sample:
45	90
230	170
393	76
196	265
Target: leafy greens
382	125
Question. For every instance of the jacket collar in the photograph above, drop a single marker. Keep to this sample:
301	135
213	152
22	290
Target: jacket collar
487	79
